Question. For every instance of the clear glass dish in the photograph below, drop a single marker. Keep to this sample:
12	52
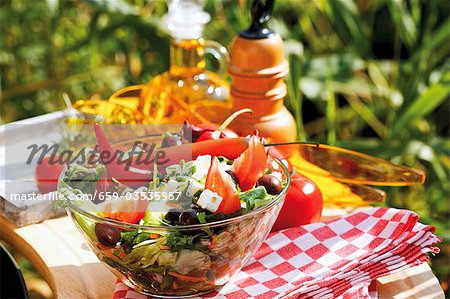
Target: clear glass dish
216	252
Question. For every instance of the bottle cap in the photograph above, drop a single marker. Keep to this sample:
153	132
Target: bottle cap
186	19
260	16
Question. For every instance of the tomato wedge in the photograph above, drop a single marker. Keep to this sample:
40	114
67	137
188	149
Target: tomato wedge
129	211
221	182
251	164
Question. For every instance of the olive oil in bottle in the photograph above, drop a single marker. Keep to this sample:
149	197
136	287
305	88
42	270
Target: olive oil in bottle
188	91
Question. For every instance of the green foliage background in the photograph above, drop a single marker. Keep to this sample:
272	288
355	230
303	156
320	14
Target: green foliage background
370	75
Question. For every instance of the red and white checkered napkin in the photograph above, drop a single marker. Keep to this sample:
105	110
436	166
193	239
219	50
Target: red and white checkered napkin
335	259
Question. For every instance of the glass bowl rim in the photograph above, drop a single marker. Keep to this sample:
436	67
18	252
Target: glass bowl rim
213	224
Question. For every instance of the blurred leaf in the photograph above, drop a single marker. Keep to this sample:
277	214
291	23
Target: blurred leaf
356	87
52	6
331	112
116	6
432	41
405	24
331	117
295	97
32	87
366	113
426	152
442	145
343	14
423	105
341	66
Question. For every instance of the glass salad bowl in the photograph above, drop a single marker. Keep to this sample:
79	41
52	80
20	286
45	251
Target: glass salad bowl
166	254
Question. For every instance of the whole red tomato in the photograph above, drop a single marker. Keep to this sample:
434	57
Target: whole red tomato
303	204
46	175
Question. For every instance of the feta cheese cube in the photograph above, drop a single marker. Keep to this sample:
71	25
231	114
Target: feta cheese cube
202	164
173	186
194	186
209	200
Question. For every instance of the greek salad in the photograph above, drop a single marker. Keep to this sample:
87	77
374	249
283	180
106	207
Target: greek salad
174	246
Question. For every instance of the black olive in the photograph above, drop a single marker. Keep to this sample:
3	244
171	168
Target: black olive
189	217
271	183
107	234
233	176
169	141
173	216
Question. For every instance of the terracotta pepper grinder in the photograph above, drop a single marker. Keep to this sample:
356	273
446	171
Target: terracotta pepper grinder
257	68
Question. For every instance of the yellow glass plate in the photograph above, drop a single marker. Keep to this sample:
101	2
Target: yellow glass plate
352	167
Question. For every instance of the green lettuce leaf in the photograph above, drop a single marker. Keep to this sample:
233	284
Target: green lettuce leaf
189	260
177	241
255	198
142	257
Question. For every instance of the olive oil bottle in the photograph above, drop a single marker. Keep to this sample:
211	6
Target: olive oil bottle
187	91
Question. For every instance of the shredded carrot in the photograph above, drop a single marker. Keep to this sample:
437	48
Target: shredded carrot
154	236
109	252
188	278
164	247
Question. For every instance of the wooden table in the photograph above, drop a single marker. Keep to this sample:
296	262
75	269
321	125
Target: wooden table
59	253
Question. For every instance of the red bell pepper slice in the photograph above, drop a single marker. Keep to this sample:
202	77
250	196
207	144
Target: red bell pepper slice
139	174
133	177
